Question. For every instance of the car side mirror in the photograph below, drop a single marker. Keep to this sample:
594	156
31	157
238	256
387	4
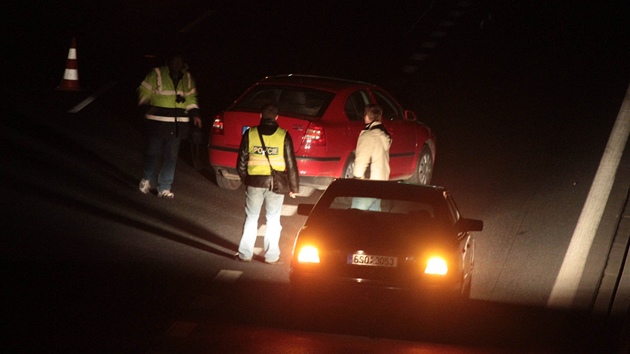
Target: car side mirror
410	115
464	225
305	209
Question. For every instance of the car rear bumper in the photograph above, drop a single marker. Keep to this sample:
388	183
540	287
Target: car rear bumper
427	286
316	173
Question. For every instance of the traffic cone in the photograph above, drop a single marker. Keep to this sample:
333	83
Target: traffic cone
70	81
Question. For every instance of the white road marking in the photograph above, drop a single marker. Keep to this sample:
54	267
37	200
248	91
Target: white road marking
305	191
197	21
209	302
288	210
428	45
91	99
419	56
410	69
228	276
203	302
566	284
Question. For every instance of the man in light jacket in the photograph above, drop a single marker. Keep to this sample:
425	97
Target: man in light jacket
372	153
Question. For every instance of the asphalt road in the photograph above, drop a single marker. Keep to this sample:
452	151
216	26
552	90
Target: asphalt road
523	99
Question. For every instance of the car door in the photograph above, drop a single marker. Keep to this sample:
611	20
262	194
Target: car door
403	150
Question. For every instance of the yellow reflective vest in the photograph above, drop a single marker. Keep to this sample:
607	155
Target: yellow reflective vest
257	163
158	90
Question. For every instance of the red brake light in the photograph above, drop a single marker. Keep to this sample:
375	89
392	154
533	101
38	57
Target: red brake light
314	136
217	125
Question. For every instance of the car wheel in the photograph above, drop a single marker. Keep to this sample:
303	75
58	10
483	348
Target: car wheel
348	170
226	183
424	167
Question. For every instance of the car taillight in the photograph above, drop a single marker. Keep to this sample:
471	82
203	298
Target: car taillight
308	254
436	266
217	125
314	136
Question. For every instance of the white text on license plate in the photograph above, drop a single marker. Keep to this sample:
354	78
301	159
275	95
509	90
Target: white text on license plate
370	260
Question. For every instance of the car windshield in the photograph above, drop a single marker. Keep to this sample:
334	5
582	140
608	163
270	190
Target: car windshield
389	206
396	212
291	100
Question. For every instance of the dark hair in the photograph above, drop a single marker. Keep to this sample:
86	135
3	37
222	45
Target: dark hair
175	53
269	111
374	112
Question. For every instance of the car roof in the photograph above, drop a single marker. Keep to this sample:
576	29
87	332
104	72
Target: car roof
313	81
382	189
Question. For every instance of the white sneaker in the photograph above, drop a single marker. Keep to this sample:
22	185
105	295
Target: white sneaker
166	194
145	186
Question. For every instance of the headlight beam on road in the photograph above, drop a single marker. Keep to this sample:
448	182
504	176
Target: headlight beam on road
566	284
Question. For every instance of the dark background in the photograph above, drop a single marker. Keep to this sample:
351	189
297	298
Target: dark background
522	96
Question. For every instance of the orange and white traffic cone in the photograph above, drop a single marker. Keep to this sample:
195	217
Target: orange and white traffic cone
70	81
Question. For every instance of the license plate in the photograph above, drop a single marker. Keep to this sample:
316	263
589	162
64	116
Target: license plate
370	260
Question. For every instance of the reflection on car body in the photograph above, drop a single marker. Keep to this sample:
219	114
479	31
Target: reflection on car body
324	117
415	239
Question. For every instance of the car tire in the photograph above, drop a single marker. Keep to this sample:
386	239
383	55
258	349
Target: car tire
424	168
226	183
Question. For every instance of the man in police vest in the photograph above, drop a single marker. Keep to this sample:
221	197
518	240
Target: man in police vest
171	94
255	171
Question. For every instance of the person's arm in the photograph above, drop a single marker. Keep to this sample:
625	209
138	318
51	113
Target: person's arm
291	166
195	116
146	89
243	156
362	155
192	106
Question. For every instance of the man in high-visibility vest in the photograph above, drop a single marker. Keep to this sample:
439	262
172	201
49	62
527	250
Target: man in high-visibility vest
171	95
254	163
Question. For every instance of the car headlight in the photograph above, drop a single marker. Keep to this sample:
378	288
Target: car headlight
308	254
437	266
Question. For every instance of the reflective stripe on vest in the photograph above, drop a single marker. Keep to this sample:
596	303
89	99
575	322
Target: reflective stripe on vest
167	119
159	90
257	163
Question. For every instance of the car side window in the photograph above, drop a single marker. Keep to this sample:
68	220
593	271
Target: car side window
391	111
356	104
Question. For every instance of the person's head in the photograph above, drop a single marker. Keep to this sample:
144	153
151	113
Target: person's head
372	112
269	111
176	62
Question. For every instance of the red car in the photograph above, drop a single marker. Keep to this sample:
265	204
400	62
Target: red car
324	117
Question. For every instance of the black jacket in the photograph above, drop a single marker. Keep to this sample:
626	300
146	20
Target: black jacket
267	127
170	129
